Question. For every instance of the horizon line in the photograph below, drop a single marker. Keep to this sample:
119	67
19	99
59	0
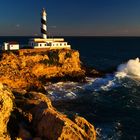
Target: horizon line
72	36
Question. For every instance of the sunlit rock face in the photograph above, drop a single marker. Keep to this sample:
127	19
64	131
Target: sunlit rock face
48	123
31	68
36	118
6	106
33	116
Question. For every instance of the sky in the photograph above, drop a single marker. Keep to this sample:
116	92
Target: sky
71	17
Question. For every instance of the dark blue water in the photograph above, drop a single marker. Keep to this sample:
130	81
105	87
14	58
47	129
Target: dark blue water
19	39
100	52
112	104
106	52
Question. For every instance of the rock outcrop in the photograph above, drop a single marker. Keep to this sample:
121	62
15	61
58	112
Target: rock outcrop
31	69
34	117
49	124
6	107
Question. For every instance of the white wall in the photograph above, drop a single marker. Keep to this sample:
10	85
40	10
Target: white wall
14	47
40	45
5	46
60	45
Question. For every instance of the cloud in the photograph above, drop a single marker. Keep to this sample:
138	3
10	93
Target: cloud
52	26
35	34
17	25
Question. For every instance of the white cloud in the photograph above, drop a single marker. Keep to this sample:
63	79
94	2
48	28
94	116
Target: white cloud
52	26
17	25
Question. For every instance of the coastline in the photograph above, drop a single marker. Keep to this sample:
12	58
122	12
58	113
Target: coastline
103	99
36	69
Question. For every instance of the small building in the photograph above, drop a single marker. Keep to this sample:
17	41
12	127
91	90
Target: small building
38	44
10	46
56	43
59	45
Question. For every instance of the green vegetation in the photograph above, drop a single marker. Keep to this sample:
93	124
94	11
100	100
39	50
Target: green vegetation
50	62
53	59
53	55
68	55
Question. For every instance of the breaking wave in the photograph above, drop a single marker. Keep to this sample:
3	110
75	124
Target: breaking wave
72	90
104	99
131	68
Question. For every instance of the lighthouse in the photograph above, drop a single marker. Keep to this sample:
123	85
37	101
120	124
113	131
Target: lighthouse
40	43
44	41
44	24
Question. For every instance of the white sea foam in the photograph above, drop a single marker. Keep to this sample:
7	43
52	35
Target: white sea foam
63	90
72	90
106	83
131	68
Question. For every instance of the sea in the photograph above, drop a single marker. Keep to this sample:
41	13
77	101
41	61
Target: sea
112	102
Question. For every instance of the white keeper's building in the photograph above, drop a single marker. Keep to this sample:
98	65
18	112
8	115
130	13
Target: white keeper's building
55	43
10	46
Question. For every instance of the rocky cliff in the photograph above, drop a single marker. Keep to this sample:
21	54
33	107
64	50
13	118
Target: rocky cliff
34	117
29	69
6	107
26	113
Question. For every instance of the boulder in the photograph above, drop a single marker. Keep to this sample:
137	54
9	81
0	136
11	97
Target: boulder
6	106
50	124
37	119
91	72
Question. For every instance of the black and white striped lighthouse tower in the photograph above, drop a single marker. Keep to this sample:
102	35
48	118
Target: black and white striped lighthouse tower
44	24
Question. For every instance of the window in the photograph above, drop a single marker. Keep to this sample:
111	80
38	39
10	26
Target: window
40	44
